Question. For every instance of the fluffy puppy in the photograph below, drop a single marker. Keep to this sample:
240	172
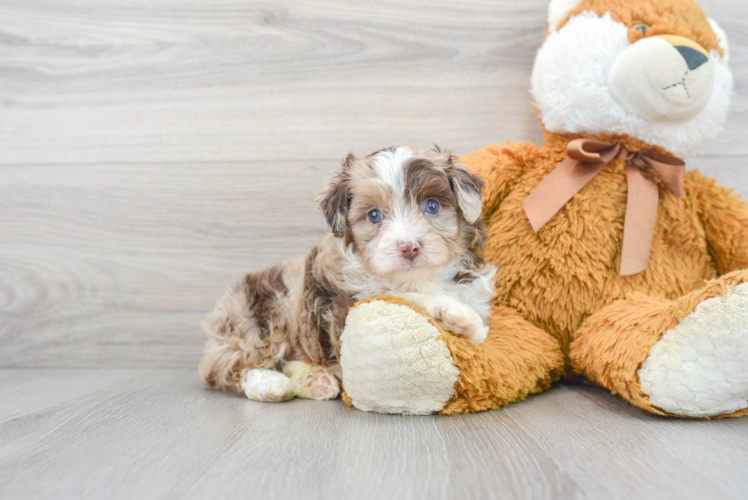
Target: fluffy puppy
404	222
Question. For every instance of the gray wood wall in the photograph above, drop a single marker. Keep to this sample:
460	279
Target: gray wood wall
153	150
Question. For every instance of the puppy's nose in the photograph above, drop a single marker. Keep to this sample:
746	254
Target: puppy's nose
409	249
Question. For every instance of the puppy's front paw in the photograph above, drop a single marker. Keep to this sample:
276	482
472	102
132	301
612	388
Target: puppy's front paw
460	319
480	333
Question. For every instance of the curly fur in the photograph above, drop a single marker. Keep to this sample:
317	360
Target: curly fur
290	317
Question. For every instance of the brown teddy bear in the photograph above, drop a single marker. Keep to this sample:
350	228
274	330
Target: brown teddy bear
615	264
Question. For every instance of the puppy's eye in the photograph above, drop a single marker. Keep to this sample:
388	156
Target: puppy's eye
641	27
432	207
375	216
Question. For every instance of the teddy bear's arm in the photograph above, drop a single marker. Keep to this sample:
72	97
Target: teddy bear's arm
499	168
396	359
725	219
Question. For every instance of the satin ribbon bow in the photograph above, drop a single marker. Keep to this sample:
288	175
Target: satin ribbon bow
586	159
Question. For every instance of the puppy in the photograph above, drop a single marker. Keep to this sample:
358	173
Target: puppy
404	222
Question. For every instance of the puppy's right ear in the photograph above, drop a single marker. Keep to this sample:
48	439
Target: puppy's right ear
336	200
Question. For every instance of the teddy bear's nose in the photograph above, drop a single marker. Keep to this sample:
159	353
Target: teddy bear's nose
694	54
693	57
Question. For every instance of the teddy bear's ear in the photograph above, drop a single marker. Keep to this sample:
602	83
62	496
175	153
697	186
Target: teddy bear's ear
558	10
722	38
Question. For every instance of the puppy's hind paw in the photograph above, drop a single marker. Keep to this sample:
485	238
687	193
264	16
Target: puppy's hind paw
267	385
312	382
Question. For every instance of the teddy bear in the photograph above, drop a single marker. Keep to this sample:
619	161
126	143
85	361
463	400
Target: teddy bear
617	266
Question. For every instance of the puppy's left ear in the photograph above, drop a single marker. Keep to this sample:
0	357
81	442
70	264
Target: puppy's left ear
467	187
336	200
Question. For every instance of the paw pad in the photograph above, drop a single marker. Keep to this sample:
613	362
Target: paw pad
312	382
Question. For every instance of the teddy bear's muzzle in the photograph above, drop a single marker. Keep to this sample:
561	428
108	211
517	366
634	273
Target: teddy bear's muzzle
664	78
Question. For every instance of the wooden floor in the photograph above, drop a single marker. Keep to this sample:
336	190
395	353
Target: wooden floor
152	151
154	434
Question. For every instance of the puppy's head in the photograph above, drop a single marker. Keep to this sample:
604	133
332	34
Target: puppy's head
408	212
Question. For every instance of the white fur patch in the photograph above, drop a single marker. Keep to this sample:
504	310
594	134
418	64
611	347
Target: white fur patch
394	362
268	385
390	166
700	367
558	10
570	88
477	294
471	203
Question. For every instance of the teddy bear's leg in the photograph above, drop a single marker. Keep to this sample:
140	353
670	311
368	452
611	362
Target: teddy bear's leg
516	359
687	357
396	359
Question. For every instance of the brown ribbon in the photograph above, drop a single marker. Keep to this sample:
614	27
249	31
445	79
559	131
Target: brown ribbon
586	159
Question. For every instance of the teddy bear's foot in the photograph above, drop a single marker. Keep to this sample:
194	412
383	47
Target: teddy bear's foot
685	358
700	367
394	361
268	385
312	382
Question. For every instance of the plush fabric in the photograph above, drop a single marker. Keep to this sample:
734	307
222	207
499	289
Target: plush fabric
574	96
612	345
424	369
565	279
694	368
673	339
388	349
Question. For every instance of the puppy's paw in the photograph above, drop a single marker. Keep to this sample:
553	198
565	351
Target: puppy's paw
312	382
267	385
460	319
480	333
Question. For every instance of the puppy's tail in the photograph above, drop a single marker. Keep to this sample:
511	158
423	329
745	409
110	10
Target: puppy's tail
231	347
222	367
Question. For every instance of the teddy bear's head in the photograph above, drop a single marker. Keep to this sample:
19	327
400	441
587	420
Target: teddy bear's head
656	70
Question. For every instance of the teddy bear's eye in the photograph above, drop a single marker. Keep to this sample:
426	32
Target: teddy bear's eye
641	27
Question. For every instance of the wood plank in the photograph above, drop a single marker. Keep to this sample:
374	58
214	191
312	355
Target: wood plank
186	80
613	450
24	391
116	265
161	435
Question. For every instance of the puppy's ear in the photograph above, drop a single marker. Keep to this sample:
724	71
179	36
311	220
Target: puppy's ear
467	187
336	200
